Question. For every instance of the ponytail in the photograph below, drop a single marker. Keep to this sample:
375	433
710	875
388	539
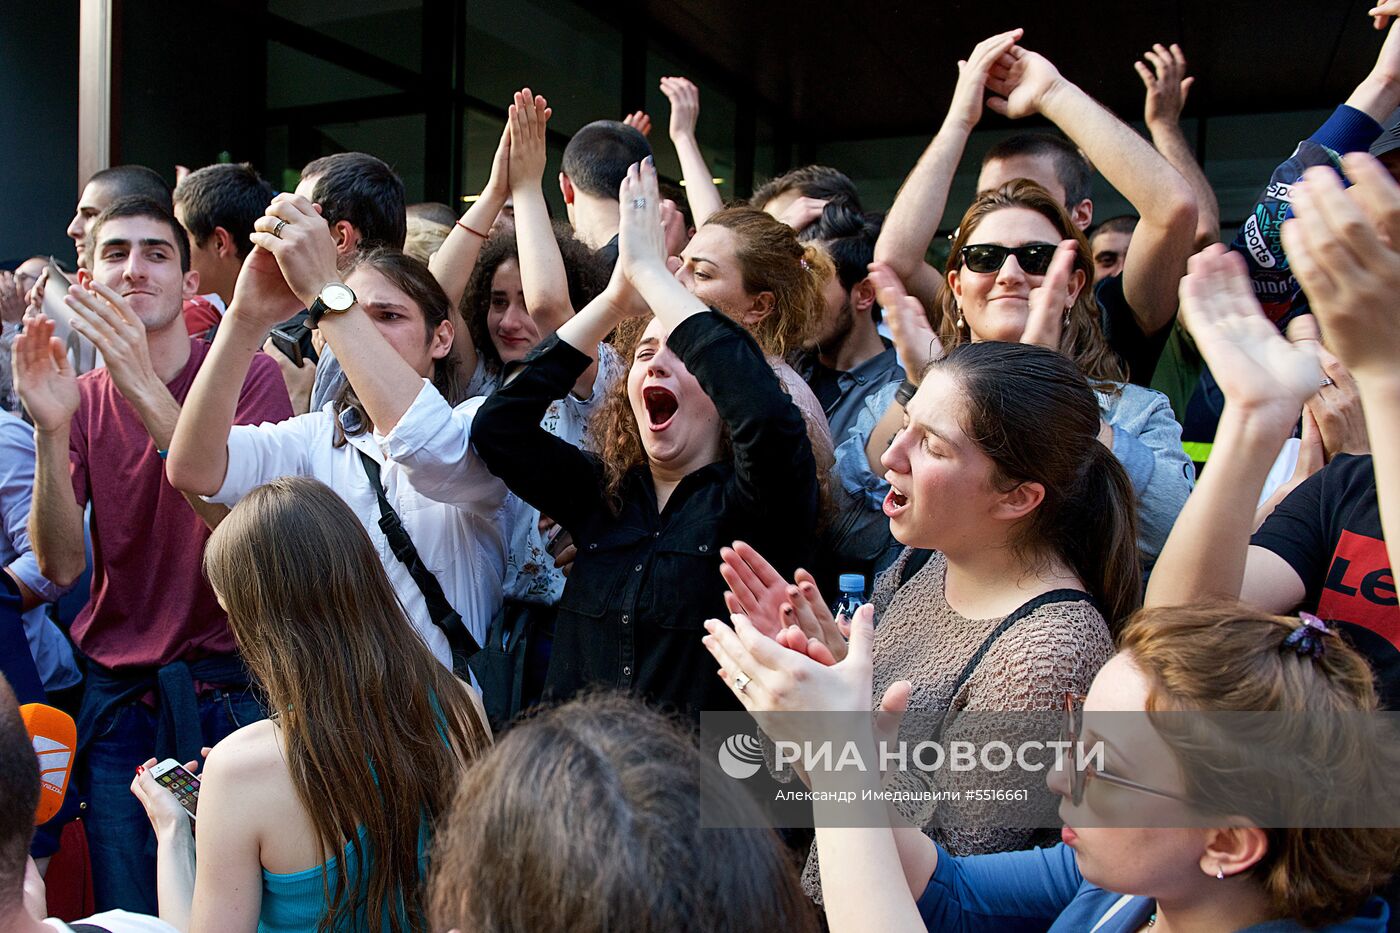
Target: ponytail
772	260
1097	532
1031	411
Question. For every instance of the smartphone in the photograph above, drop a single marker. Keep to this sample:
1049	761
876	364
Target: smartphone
293	340
172	775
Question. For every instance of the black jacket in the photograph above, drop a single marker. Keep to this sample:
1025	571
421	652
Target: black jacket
644	583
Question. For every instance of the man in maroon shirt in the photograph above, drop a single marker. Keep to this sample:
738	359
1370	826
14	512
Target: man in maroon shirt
163	675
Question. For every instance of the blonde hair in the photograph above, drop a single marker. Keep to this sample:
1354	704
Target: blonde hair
772	260
1224	656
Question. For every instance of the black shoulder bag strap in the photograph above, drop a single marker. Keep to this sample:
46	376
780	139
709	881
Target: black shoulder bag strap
439	609
1025	609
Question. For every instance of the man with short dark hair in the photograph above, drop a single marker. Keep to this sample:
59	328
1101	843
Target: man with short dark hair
108	185
163	676
847	359
362	199
1108	245
798	196
595	162
217	205
1053	162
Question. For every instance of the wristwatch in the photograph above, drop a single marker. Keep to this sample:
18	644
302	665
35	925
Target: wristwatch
335	298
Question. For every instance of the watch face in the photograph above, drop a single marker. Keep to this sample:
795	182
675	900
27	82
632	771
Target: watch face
337	297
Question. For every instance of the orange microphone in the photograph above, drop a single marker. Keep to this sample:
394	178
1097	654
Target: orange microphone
55	739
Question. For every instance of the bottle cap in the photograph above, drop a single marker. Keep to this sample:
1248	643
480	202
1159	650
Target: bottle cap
852	583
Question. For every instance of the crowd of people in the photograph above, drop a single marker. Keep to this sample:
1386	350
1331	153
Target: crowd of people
425	539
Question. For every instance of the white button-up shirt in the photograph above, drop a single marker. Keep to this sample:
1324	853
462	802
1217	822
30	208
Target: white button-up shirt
456	522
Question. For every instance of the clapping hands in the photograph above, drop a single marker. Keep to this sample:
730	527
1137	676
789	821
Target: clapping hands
527	151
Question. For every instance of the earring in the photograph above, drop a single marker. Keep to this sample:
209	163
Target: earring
960	318
1219	873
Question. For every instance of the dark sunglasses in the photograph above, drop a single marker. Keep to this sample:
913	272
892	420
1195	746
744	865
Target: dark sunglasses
1033	258
1070	731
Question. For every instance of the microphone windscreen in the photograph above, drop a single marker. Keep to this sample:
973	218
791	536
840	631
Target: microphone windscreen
55	739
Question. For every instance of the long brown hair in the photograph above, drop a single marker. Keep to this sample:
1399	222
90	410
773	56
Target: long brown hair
1082	338
772	260
376	731
616	844
1033	414
412	278
1223	656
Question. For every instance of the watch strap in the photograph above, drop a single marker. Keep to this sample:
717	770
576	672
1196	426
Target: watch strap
314	313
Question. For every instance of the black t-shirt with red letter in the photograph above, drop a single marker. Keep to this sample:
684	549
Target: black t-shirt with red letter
1329	531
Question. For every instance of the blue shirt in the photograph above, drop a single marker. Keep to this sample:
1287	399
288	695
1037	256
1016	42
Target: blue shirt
53	655
1042	889
856	386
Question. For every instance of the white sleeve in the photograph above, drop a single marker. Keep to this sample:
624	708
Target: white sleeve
432	442
260	453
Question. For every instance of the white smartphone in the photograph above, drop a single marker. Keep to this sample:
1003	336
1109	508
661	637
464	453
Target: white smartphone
172	775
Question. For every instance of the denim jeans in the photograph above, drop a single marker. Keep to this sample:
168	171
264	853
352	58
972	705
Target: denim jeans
120	837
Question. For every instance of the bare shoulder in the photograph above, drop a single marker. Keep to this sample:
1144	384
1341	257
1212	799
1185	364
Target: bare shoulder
254	751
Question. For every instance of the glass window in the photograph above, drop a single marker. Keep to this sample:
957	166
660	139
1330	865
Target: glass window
483	135
295	79
396	140
714	131
388	29
560	50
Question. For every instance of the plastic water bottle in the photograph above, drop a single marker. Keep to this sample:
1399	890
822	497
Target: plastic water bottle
852	595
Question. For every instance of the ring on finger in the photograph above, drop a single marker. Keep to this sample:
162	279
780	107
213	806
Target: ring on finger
1326	381
639	203
741	681
277	230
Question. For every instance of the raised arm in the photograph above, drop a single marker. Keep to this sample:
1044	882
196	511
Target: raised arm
700	188
198	458
304	252
1167	86
1265	380
913	219
1027	83
542	278
454	261
1342	245
49	390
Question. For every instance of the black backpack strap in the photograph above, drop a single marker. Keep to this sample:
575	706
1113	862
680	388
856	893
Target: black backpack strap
439	609
1025	609
917	560
87	928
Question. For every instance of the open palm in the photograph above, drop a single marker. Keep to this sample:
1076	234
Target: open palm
45	379
1254	365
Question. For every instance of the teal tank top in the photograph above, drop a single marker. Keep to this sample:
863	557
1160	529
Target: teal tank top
295	902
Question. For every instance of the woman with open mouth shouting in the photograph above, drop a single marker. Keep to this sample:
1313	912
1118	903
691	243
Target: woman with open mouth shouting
713	450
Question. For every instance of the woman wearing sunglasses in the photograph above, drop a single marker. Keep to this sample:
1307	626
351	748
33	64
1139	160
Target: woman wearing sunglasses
1205	866
1016	244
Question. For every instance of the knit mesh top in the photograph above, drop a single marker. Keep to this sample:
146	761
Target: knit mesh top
1055	649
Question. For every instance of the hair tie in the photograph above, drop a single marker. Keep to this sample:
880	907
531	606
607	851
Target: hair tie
1306	639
